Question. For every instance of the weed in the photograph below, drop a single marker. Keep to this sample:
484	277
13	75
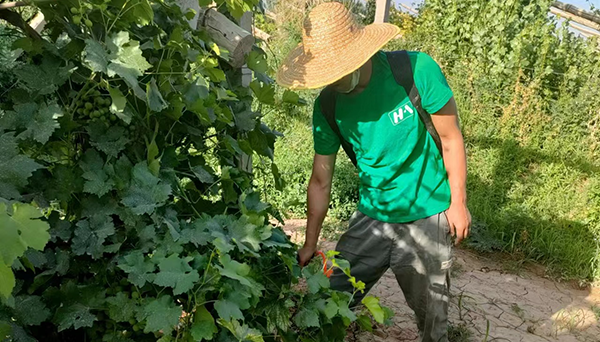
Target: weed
596	311
518	311
568	320
458	333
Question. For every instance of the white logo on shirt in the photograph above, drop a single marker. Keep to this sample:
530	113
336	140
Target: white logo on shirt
401	114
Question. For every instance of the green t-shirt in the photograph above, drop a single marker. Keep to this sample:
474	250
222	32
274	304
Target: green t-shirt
402	174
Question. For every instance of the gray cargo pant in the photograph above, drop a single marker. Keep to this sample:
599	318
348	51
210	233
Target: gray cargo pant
419	254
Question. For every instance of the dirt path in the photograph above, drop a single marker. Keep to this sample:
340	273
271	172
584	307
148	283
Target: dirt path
490	304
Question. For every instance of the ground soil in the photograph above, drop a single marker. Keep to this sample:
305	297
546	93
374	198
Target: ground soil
491	300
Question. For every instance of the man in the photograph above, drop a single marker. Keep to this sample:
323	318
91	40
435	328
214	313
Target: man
412	195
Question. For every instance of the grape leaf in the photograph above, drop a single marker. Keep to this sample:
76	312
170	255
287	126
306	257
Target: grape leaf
257	62
75	316
245	235
154	98
45	78
246	120
241	332
331	308
234	270
228	309
140	270
252	203
39	121
278	316
110	140
19	117
203	175
264	93
119	105
64	183
20	230
290	97
347	314
195	233
96	174
30	310
372	303
15	168
121	308
204	326
316	281
7	280
279	181
142	11
90	235
161	315
175	272
146	191
195	90
306	318
123	58
365	323
95	56
128	61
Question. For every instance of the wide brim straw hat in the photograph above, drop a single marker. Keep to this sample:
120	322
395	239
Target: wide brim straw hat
333	46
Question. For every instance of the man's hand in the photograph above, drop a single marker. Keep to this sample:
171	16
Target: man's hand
305	254
459	220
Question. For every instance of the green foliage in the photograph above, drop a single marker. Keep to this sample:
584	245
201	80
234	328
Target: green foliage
527	90
124	211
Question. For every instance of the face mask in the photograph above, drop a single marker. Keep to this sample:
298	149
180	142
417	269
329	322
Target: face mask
353	82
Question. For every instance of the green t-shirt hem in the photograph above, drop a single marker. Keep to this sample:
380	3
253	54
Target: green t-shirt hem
432	210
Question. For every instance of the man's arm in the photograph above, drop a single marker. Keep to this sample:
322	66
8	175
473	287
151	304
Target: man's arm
455	160
319	191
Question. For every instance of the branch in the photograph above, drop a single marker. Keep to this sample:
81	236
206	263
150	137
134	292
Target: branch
13	4
16	20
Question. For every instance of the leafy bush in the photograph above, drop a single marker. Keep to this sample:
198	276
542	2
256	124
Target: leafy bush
124	212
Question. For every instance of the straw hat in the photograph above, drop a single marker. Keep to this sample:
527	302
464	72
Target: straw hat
333	46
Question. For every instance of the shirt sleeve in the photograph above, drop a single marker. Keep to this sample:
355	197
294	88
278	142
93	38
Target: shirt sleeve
326	142
431	83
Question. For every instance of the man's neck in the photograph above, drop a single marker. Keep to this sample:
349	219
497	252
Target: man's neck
366	70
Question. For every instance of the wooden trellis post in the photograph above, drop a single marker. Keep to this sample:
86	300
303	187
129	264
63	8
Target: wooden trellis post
382	11
245	160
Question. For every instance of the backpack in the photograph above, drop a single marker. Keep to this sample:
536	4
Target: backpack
403	74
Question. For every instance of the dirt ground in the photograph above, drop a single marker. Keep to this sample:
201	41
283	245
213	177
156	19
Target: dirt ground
492	301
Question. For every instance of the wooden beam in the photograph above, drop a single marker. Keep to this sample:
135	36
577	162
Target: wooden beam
588	32
577	11
12	4
410	9
38	22
227	35
246	24
245	160
270	15
260	34
575	18
382	11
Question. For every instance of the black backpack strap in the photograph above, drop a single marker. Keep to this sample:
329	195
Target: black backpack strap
327	105
403	73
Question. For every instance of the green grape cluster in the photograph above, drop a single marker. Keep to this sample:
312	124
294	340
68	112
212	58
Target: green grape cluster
94	105
79	15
